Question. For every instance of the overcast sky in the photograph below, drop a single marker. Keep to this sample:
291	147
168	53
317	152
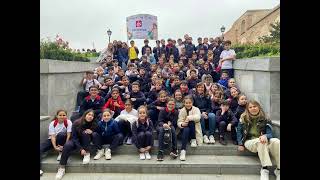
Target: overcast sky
84	22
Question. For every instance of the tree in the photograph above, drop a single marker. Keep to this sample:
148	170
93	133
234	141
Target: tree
274	36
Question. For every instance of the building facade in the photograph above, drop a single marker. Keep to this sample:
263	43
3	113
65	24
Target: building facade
252	25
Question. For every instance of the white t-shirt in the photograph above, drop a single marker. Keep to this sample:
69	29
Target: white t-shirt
131	116
59	128
228	63
89	83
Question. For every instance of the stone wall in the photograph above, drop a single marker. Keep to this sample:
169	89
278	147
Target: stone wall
259	79
59	84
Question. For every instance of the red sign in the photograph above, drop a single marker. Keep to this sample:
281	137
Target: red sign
139	23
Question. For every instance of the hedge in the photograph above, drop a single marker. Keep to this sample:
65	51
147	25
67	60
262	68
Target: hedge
254	50
50	50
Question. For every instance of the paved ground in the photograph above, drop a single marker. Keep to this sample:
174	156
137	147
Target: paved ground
119	176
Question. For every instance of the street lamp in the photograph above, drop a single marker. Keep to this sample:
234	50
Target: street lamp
222	29
109	32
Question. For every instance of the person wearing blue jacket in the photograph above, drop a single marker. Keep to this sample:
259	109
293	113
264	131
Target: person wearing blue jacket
83	133
254	132
109	133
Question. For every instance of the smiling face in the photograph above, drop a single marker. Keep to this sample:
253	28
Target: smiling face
170	105
253	109
142	113
162	98
135	88
61	116
188	103
242	100
178	95
200	89
106	116
93	92
234	92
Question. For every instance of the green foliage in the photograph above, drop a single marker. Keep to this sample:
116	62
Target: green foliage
254	50
51	50
274	37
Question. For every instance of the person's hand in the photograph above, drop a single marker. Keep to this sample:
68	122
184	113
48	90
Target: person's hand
116	104
148	148
223	110
152	87
240	148
204	115
229	127
83	152
169	123
58	148
142	150
127	96
166	126
263	139
133	99
88	131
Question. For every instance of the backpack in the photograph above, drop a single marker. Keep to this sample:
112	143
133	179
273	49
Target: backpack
65	122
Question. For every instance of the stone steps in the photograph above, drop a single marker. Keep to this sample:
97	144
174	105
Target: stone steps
135	176
205	149
195	164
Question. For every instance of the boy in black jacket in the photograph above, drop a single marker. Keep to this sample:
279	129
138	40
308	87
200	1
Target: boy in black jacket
137	97
167	124
226	120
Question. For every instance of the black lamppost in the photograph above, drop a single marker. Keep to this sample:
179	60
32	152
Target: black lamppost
109	32
222	29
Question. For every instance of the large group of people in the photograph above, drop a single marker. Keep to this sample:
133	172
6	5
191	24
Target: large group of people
183	92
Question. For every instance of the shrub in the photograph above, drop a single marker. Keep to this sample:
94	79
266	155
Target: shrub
51	50
254	50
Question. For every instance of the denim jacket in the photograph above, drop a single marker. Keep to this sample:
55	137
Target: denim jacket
263	125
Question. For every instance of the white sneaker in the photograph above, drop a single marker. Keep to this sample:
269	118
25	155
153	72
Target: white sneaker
59	156
107	153
147	155
193	143
264	174
86	158
142	156
41	172
211	139
205	139
277	173
99	154
183	155
60	173
129	141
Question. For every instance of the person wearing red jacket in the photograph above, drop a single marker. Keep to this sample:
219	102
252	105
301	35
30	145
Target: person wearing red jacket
114	103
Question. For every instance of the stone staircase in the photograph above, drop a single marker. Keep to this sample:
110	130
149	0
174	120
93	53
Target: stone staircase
214	159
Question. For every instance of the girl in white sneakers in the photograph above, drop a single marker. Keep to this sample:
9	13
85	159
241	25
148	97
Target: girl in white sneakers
142	130
83	133
254	132
190	127
59	134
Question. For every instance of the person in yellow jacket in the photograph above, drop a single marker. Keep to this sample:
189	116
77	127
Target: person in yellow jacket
133	52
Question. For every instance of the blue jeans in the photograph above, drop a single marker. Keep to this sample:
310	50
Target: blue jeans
212	124
188	133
